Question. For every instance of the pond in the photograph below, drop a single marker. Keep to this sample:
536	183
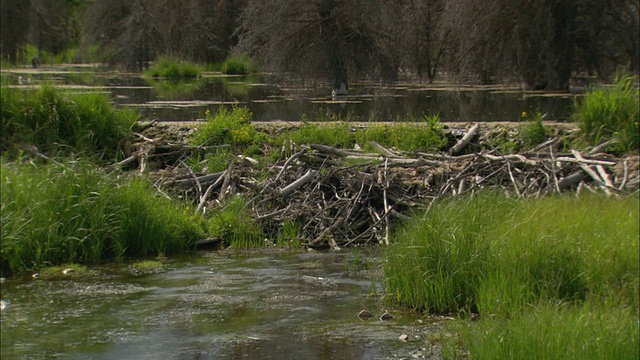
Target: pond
188	101
214	305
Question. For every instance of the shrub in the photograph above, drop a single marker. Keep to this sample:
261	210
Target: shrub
607	113
54	121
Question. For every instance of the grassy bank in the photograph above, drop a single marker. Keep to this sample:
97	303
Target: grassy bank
61	123
169	68
534	270
74	213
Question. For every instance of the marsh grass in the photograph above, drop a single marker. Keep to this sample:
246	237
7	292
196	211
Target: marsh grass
228	126
55	214
169	68
562	262
338	135
58	122
235	226
426	135
605	113
533	132
239	65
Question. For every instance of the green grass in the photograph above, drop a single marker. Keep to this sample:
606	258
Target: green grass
227	126
547	276
235	226
549	331
58	122
611	113
239	65
169	68
338	135
56	214
533	132
426	135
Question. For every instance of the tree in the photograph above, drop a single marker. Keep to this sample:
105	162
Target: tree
13	27
330	39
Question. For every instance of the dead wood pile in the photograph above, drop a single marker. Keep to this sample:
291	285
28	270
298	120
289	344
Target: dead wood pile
342	197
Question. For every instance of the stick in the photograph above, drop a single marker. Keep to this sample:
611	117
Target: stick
225	183
203	198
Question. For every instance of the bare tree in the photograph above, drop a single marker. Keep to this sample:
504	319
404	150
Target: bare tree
13	27
331	39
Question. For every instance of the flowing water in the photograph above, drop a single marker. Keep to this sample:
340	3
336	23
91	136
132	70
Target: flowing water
188	101
213	305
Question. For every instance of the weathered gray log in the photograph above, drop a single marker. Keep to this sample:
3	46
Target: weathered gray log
383	150
298	183
466	139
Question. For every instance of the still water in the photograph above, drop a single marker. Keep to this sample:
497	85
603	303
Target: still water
188	101
213	305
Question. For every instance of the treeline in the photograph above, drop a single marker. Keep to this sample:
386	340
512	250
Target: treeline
541	43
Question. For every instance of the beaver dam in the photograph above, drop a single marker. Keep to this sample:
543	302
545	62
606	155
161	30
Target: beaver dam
341	197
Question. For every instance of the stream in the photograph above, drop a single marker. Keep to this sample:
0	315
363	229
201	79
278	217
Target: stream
214	305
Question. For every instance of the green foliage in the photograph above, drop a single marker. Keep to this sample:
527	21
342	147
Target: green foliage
172	69
227	126
606	113
533	132
56	121
55	214
547	276
239	65
234	225
549	331
338	135
405	136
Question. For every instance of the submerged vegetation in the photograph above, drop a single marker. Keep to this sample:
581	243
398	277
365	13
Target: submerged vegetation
560	262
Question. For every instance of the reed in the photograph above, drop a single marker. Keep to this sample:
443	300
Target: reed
235	226
550	276
57	122
168	68
606	113
74	213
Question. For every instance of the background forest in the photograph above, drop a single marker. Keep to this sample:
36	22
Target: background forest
543	44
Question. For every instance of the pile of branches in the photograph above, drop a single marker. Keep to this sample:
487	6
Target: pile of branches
344	197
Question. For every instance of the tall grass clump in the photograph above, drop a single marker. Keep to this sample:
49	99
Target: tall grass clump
428	135
74	213
169	68
235	226
55	121
227	126
606	113
239	65
555	264
533	132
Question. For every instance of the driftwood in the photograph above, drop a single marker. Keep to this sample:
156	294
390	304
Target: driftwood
343	197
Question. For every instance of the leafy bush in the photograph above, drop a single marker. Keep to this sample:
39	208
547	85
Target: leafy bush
607	113
54	121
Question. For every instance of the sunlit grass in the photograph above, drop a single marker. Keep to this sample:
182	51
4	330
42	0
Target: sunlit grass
428	135
55	214
58	122
611	113
234	225
550	277
169	68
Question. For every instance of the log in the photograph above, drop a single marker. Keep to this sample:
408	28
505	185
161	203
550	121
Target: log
298	183
466	139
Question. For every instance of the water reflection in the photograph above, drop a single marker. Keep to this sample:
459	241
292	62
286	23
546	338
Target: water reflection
272	102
